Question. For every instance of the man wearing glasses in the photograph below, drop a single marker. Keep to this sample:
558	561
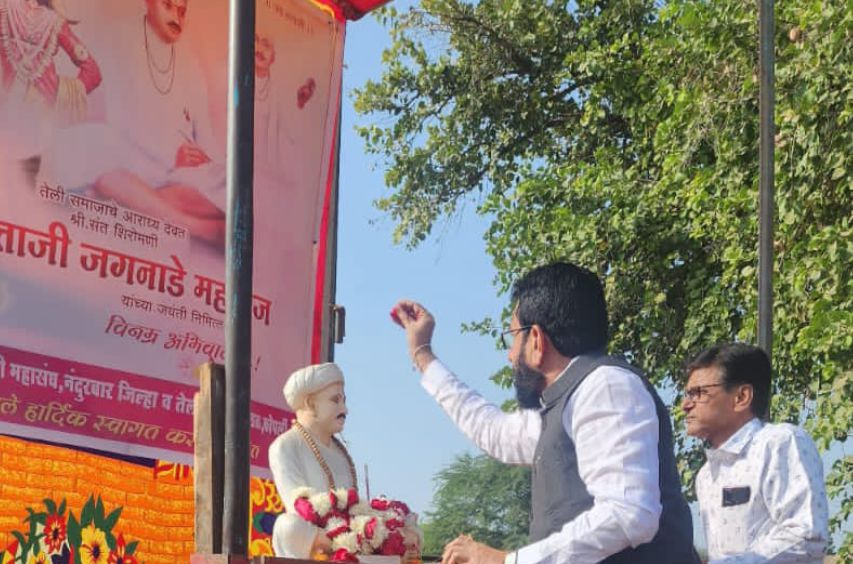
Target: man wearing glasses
761	493
605	486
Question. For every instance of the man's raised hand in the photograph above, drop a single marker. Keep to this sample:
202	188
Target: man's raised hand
419	325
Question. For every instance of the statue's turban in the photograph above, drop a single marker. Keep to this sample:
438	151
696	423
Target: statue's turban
308	380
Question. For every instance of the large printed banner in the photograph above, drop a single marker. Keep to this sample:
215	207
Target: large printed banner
112	212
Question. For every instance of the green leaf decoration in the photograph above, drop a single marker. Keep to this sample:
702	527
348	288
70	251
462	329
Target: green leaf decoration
99	514
73	530
50	505
111	540
110	520
61	509
22	542
130	548
87	515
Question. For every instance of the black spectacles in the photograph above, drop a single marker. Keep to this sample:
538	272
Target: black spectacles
503	334
697	393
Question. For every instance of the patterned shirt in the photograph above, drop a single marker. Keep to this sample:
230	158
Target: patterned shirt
762	498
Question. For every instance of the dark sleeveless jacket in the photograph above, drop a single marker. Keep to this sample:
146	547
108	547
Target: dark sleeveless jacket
559	495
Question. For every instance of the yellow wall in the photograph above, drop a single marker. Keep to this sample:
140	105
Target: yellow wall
157	510
157	513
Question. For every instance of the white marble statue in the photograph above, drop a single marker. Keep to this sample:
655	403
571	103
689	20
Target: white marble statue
309	454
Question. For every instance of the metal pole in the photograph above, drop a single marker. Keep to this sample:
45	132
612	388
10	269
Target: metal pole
332	241
765	156
238	279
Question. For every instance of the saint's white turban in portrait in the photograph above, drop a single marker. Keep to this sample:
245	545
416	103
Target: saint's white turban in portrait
310	379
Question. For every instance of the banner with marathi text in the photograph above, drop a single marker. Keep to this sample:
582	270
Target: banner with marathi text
112	222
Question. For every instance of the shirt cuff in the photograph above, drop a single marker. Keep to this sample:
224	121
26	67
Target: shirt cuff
435	377
530	553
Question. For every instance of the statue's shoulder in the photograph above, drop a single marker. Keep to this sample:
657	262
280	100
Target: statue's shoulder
287	441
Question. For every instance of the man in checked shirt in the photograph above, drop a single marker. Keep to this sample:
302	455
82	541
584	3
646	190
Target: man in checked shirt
761	492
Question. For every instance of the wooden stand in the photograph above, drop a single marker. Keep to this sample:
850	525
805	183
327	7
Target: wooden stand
209	461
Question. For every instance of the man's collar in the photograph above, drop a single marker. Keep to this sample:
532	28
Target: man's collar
557	379
566	369
735	444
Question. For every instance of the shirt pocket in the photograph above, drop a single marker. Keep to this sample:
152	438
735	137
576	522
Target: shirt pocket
736	524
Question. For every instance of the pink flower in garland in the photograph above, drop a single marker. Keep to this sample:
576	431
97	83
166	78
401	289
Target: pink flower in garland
399	507
380	504
344	555
352	497
337	525
370	528
306	510
393	545
394	524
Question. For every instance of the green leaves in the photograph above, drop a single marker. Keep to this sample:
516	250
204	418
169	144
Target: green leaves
624	136
482	497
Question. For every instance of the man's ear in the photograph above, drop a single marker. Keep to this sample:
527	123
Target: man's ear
537	344
743	397
310	404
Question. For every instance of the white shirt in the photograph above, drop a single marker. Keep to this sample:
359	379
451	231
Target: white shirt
611	419
293	466
785	519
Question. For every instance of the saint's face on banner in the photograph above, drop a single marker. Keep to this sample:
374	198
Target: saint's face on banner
167	18
264	54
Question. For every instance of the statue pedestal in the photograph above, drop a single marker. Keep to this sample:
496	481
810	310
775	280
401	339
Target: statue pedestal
232	559
226	559
378	559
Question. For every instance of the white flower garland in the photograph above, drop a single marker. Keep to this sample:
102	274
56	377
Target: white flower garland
359	527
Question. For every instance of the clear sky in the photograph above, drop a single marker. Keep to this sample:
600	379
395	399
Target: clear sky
394	426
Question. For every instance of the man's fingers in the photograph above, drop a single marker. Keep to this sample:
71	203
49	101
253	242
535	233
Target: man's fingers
405	312
450	555
456	551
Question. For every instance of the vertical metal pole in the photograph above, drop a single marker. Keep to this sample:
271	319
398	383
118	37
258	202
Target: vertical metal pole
238	279
766	210
332	241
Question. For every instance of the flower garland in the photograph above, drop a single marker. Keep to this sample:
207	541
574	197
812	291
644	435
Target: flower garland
380	526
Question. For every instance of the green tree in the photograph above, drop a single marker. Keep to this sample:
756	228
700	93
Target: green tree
623	135
482	497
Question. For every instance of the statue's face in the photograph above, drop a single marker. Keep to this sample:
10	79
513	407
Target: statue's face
167	18
330	408
264	54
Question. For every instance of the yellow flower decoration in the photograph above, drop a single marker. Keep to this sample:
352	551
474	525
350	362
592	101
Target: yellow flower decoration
40	558
93	548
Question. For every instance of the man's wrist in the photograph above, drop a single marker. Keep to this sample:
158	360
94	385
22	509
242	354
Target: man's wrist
422	356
